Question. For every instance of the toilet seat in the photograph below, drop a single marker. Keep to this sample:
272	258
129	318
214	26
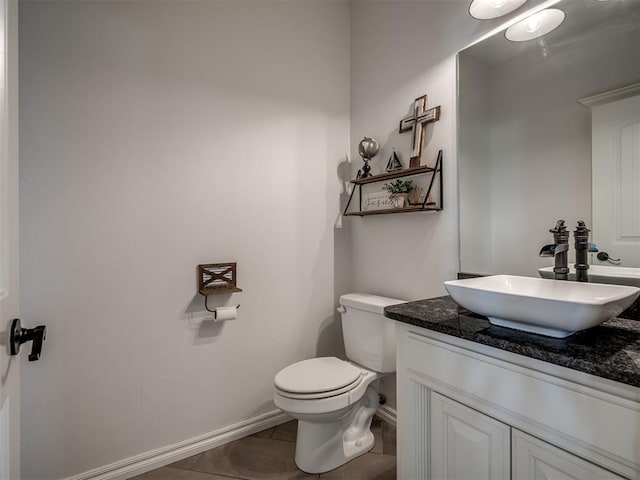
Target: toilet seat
318	378
334	399
318	395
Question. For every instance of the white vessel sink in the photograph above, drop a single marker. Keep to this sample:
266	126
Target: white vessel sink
554	308
602	274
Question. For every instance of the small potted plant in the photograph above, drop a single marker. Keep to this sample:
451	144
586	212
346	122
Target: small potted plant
399	191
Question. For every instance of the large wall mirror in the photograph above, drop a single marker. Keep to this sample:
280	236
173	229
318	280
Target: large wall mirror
527	113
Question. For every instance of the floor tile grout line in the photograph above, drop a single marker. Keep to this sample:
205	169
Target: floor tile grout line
221	475
225	476
382	453
190	469
279	440
212	475
282	440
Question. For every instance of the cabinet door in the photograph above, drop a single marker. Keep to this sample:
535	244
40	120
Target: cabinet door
534	459
465	444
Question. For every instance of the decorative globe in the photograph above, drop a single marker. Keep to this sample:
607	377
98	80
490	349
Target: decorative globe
368	148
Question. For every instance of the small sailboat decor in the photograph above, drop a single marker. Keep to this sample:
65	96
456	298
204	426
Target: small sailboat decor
394	163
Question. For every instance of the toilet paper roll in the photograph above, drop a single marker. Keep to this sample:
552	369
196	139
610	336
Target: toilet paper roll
225	313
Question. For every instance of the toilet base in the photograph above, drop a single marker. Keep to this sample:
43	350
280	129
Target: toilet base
321	447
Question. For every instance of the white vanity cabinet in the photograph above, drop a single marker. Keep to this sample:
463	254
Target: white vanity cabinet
465	443
468	411
534	459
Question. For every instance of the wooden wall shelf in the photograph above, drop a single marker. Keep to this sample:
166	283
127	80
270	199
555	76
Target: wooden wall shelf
413	208
425	206
391	175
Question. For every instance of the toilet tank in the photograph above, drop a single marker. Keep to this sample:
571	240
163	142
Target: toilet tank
369	336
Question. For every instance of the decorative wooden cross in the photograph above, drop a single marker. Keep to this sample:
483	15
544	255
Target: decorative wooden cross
416	123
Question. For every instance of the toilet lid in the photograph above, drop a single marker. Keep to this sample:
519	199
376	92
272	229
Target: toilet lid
317	375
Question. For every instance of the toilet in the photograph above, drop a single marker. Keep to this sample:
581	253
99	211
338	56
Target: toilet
334	400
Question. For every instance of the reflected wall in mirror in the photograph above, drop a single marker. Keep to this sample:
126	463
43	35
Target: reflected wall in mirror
524	138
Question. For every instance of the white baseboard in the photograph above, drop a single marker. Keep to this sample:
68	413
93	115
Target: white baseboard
153	459
387	414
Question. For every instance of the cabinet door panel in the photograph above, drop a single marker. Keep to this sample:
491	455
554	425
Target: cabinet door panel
465	444
534	459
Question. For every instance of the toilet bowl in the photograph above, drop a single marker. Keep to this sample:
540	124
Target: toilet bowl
334	400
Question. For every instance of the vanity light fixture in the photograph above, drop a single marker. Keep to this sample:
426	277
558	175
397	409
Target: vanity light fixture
535	26
488	9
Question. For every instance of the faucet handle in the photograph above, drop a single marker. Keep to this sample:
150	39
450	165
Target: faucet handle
581	229
560	227
560	233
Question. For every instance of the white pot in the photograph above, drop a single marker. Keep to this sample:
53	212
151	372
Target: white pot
400	200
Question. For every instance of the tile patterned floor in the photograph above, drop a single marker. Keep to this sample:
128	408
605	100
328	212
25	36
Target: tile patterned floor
268	455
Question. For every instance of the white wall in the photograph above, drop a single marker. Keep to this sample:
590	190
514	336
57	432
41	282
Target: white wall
156	136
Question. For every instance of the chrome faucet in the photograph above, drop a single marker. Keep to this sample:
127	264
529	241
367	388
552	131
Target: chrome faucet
559	249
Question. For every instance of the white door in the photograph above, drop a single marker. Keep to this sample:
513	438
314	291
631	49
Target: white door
616	179
534	459
9	365
466	444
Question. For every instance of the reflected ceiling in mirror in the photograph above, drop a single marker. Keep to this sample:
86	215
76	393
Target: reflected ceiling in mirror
524	139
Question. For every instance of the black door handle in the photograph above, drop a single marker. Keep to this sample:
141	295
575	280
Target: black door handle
605	257
21	335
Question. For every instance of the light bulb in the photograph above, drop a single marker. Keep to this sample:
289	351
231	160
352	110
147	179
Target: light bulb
488	9
533	24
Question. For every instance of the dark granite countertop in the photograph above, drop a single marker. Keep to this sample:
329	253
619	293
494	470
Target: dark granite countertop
610	350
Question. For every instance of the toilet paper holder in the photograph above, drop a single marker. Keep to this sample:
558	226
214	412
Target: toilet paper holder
215	310
217	279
